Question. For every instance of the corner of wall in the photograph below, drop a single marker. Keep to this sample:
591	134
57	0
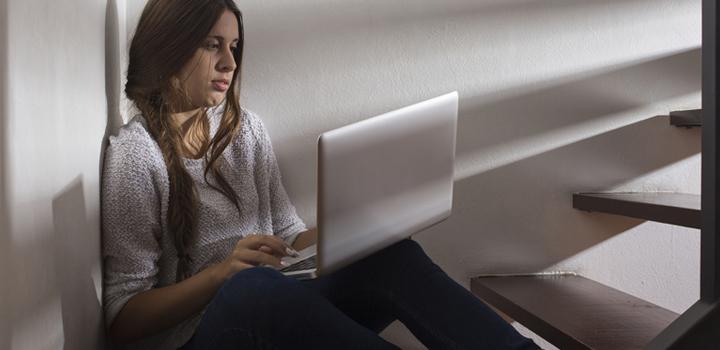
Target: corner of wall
4	216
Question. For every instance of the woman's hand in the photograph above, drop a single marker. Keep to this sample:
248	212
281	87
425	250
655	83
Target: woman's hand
252	251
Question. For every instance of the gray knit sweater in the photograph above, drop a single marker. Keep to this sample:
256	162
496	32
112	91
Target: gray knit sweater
138	251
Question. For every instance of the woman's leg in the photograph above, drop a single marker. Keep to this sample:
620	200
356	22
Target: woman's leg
259	308
353	298
403	282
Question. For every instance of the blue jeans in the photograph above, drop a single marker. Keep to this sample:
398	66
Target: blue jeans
259	308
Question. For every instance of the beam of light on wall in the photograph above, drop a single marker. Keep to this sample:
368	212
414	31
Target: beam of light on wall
480	161
675	175
665	282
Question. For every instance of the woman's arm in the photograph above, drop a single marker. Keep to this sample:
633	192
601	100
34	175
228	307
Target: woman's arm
305	239
285	221
157	309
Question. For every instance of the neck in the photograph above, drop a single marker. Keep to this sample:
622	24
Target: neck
181	118
194	136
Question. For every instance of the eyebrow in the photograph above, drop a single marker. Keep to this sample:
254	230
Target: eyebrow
221	38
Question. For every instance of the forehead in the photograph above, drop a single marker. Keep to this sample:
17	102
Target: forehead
226	26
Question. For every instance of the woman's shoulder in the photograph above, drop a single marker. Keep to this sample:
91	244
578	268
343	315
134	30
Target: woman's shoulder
134	132
253	125
133	143
248	119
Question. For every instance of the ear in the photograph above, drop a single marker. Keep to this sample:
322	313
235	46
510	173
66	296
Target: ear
175	83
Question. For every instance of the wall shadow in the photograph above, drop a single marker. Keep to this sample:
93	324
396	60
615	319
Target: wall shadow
384	39
525	112
77	248
531	224
345	19
486	124
355	33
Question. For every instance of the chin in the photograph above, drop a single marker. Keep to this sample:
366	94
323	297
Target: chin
213	101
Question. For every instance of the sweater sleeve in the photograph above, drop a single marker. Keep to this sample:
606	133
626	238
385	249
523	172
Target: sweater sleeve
131	224
286	223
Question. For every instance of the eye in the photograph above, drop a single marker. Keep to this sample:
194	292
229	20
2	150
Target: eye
212	45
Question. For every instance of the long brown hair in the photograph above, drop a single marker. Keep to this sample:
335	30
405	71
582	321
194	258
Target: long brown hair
166	38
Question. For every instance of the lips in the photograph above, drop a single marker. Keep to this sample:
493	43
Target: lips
221	85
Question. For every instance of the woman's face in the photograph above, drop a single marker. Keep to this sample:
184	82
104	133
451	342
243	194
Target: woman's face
207	76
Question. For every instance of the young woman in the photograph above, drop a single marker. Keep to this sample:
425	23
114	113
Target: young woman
196	220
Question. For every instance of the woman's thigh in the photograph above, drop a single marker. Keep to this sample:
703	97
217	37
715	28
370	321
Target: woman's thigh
405	283
259	308
361	289
357	300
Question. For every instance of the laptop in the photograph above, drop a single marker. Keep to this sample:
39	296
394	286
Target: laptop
380	180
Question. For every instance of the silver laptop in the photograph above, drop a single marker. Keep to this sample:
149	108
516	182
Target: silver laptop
379	181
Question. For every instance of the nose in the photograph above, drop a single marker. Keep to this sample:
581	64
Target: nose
227	61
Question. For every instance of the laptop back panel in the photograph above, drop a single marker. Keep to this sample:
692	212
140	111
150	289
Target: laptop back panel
382	179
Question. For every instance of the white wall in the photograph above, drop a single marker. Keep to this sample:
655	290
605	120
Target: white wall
53	121
557	96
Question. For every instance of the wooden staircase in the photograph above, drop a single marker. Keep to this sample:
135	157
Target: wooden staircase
573	312
688	118
671	208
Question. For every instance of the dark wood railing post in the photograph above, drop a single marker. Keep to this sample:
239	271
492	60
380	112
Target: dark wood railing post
698	327
710	269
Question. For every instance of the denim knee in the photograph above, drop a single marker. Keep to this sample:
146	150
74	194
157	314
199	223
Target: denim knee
405	249
253	273
408	245
403	257
260	291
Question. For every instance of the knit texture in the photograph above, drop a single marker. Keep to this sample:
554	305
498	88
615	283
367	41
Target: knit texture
138	251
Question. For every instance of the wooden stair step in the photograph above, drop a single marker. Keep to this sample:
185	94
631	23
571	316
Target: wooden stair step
672	208
573	312
689	118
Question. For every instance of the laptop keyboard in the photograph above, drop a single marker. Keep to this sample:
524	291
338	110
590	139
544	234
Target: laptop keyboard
309	263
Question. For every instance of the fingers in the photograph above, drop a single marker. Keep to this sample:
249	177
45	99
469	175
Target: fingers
258	257
267	250
276	245
262	250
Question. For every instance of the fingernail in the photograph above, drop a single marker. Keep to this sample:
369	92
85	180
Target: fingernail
291	252
284	263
